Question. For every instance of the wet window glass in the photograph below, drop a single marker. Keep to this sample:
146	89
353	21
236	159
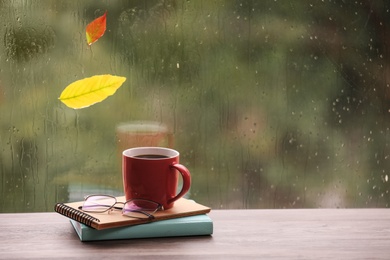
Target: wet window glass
271	104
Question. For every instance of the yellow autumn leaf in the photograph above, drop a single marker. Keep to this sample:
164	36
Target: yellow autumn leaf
89	91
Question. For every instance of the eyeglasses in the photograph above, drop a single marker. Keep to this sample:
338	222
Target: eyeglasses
135	208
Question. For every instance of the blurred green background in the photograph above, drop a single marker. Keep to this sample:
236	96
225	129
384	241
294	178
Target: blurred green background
272	104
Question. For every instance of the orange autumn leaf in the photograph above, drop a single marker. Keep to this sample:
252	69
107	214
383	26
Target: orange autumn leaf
96	29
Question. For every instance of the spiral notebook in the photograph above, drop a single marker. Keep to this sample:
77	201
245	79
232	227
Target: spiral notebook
182	208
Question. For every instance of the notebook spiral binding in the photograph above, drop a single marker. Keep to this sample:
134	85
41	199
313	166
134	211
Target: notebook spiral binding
75	214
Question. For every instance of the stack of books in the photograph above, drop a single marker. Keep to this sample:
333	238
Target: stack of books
186	218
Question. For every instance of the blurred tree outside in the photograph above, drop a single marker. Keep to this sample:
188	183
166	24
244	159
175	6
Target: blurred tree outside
273	104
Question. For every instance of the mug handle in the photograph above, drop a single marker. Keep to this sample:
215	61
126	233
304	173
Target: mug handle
185	174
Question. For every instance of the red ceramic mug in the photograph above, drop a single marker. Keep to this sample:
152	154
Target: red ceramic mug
152	173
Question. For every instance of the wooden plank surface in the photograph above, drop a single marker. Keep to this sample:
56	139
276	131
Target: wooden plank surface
238	234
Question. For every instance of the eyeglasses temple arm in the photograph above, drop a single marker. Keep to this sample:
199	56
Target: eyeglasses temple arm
150	216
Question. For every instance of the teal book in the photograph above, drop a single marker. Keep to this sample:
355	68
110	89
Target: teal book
198	225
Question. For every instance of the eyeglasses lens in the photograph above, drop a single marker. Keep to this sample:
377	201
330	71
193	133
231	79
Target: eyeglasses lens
98	203
137	208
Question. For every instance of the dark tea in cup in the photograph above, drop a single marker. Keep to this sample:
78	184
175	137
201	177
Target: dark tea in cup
151	156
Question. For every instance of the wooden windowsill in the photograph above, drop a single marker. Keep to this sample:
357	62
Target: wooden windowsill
238	234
